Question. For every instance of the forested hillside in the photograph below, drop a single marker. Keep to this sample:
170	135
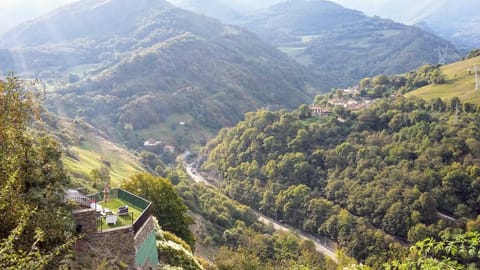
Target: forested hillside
375	177
344	45
138	68
229	234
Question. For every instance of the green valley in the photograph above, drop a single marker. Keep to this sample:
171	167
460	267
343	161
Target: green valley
203	131
342	45
150	67
372	182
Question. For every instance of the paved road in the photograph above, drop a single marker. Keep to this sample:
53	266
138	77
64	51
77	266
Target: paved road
196	176
447	217
321	248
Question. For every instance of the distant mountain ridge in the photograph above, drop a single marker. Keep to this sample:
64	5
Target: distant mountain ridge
457	21
138	71
344	45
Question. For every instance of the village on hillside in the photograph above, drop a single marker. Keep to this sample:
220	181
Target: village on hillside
352	98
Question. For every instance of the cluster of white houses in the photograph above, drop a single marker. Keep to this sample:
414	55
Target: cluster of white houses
154	143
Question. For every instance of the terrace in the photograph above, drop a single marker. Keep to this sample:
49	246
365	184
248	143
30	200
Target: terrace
109	215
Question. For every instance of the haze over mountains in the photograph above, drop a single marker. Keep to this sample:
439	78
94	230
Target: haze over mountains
458	21
136	64
147	64
369	173
340	45
344	44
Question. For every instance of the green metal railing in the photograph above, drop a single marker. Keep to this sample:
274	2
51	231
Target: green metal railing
121	222
130	198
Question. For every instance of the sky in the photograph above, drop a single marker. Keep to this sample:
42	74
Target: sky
13	12
406	11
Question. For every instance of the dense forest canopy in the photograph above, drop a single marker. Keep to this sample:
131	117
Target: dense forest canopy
239	241
372	182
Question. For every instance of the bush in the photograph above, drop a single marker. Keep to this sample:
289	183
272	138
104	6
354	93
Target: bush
172	237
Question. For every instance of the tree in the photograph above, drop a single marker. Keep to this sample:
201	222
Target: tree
381	80
451	252
318	211
168	207
101	176
396	220
292	202
365	83
473	53
35	226
455	104
304	112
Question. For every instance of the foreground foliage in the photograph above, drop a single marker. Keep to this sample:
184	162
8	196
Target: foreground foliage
35	226
451	252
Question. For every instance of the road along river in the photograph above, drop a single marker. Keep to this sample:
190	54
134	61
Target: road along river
319	245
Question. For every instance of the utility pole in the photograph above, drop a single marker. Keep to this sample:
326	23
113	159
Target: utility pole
477	83
442	55
457	112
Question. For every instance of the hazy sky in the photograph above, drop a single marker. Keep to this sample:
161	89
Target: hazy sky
13	12
408	11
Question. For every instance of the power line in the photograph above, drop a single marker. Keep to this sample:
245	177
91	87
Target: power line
442	55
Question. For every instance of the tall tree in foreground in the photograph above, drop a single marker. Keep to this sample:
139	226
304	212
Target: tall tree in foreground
35	227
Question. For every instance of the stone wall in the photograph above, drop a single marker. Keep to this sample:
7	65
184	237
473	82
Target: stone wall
120	243
85	220
143	232
145	245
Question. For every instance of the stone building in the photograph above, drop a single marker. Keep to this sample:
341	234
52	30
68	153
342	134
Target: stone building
130	241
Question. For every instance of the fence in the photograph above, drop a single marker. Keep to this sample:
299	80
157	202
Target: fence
129	198
142	218
121	222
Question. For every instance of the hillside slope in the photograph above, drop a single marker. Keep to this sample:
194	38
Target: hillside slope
86	148
460	82
344	45
138	68
383	171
